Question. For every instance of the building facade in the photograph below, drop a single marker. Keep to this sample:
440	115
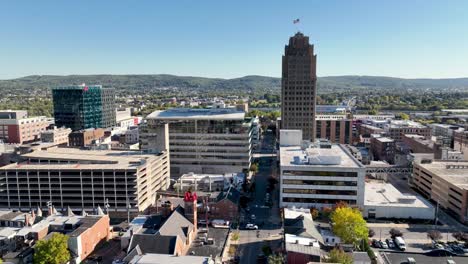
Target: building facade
58	136
84	179
85	137
17	127
397	128
319	175
445	183
460	142
299	86
383	148
212	141
337	129
82	107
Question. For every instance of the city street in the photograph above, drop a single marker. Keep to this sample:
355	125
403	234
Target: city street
268	219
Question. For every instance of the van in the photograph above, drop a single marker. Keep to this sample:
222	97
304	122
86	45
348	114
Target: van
400	243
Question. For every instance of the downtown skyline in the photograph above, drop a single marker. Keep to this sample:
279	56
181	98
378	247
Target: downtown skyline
209	39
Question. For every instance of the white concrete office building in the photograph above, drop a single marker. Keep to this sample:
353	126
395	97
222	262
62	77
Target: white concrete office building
211	141
383	200
318	175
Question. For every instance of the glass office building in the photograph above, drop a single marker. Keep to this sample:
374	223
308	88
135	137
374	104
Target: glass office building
84	106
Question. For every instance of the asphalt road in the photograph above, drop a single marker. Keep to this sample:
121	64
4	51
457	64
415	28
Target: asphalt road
268	219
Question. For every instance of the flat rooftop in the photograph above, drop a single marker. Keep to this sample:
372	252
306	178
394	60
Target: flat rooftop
384	139
197	114
87	159
454	172
385	194
405	123
290	154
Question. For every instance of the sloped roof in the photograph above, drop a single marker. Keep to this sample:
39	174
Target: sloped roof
176	225
150	243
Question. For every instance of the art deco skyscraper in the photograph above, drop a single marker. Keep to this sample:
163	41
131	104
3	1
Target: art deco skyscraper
299	86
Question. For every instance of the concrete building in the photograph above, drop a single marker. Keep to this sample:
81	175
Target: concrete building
318	175
383	148
84	106
84	179
444	130
397	128
460	142
57	136
85	137
336	128
299	86
17	127
206	182
444	182
213	141
383	200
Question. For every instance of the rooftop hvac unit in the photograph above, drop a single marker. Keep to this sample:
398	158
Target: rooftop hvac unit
324	160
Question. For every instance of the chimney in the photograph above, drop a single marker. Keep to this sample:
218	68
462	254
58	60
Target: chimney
26	219
166	208
190	207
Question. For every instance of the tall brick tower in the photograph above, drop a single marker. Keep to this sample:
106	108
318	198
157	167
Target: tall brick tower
190	208
299	86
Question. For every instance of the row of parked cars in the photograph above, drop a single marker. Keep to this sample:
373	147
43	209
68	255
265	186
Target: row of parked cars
395	243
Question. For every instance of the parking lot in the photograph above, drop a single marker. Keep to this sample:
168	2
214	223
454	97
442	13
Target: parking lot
402	258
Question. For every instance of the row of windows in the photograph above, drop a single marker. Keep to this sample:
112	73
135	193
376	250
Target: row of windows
315	200
312	191
311	182
320	173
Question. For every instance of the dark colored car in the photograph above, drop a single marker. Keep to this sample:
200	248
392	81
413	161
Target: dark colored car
375	243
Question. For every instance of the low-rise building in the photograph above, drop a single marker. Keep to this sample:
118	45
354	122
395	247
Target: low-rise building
418	143
460	142
383	200
444	182
85	137
397	128
318	175
57	136
366	129
225	206
207	182
17	127
383	148
336	128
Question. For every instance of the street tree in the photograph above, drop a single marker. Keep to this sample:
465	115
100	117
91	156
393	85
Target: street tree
434	235
460	236
52	251
275	259
339	256
395	233
349	225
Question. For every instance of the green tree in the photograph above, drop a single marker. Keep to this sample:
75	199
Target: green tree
403	116
339	256
349	225
275	259
52	251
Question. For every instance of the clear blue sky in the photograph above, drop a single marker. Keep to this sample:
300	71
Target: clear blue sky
232	38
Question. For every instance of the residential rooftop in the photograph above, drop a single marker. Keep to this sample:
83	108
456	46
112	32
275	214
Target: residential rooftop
454	172
198	114
385	194
335	156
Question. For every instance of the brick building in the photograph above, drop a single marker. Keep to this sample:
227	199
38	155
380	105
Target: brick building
226	205
17	127
58	136
383	148
85	137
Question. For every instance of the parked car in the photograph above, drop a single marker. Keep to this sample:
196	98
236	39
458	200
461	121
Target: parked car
375	243
253	217
251	227
383	244
390	243
203	222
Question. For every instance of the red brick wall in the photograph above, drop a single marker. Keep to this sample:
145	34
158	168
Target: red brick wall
91	237
224	209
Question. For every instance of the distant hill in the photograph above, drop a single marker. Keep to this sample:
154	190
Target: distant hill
247	84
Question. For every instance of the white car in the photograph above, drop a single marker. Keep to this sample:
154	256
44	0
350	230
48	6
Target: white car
253	217
251	227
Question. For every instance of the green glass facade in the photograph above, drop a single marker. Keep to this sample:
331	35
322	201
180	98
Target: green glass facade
81	107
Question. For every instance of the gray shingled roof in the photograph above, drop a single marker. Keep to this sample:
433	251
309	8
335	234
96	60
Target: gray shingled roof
231	194
149	243
176	225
